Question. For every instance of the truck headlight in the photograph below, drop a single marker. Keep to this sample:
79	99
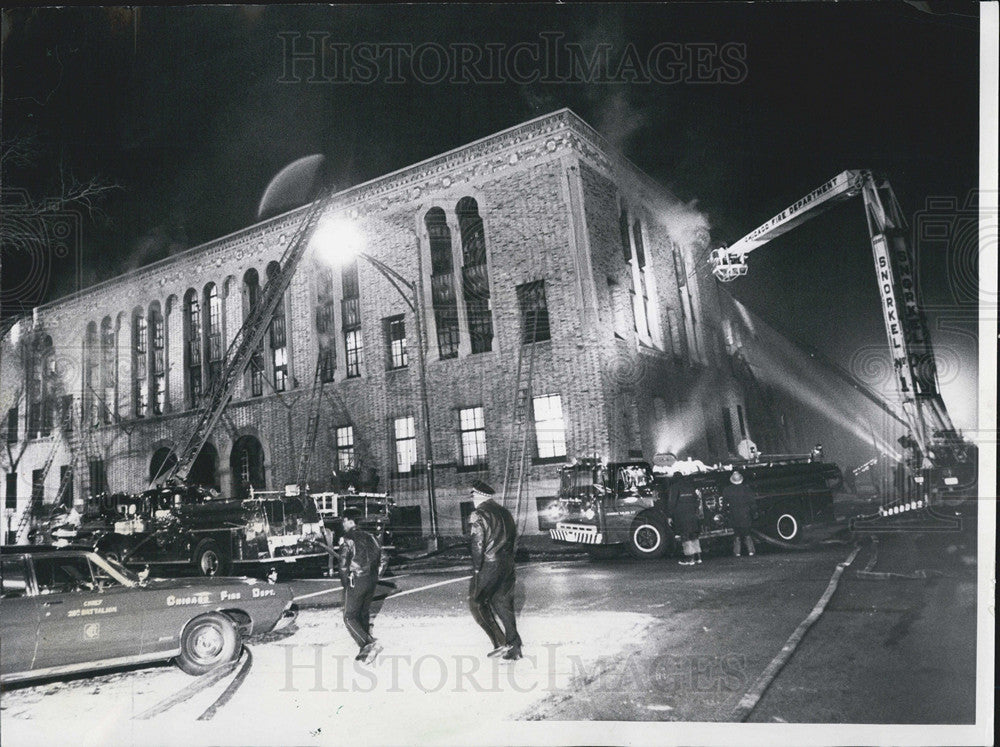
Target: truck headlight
589	514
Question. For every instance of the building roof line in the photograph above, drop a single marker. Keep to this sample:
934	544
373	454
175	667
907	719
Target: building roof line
574	121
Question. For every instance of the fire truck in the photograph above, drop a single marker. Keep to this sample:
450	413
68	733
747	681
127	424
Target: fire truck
195	527
602	505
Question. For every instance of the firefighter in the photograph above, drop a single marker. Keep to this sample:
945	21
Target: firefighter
741	505
491	590
685	502
359	563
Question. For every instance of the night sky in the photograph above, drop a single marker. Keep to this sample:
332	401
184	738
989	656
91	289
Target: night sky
186	109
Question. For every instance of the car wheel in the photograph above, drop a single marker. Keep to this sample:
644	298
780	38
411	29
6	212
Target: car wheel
648	538
787	526
210	560
208	641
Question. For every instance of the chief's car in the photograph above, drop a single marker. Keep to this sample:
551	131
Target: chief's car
64	611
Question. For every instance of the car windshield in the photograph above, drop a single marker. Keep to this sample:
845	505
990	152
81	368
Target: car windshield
121	570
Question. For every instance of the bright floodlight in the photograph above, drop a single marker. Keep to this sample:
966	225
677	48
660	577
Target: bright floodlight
337	240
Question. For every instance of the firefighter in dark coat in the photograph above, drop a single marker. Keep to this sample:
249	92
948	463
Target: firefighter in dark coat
741	505
491	590
685	502
359	556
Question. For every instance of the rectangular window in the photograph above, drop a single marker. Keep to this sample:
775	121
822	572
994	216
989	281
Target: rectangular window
139	355
66	412
279	359
349	280
37	485
395	336
257	373
640	250
623	230
405	438
550	430
472	431
10	501
354	348
645	302
141	399
12	425
327	362
345	448
534	312
743	425
159	394
98	477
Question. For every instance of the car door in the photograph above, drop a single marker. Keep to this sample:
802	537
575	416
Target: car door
18	617
81	618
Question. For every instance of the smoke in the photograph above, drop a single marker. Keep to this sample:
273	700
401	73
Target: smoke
159	242
678	431
616	117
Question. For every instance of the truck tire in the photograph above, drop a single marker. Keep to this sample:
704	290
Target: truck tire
207	642
786	525
648	537
210	560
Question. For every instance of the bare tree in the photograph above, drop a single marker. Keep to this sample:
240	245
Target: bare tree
21	212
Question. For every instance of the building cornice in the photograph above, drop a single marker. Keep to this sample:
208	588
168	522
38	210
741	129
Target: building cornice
534	140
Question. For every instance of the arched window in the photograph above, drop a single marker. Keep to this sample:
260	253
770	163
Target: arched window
213	333
251	297
475	277
192	346
163	460
350	313
325	323
205	470
278	337
109	371
158	348
246	465
91	368
140	354
442	282
42	385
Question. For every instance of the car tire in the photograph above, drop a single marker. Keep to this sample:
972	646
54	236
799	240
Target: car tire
786	525
208	642
210	560
648	538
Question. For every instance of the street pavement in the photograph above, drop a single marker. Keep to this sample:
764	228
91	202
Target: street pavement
610	640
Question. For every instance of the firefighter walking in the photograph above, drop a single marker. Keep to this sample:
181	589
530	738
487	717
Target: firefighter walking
359	560
741	506
491	590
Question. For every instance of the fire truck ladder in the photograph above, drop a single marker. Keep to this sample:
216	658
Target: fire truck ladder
517	444
241	350
312	425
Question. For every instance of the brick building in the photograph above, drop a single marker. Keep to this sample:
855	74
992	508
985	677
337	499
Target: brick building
538	244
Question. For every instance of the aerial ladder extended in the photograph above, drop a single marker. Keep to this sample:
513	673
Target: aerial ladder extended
941	452
241	349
